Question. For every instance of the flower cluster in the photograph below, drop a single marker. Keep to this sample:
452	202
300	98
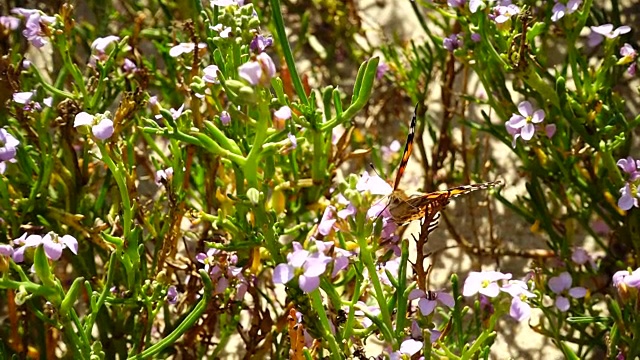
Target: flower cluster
101	125
310	265
8	149
35	22
525	124
629	192
223	271
53	245
491	283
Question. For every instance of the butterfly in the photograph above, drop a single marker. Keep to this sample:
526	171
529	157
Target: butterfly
404	208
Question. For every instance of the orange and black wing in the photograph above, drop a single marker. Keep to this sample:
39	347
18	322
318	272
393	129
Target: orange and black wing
407	149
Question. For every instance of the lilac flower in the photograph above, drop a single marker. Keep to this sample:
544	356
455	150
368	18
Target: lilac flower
259	43
503	13
211	74
476	37
54	244
630	166
101	125
129	66
293	140
258	72
185	48
172	295
522	125
382	69
561	285
8	145
23	97
520	310
101	43
451	42
328	221
456	3
560	9
427	304
409	347
312	266
550	130
598	33
626	277
374	184
282	114
164	175
48	101
580	256
484	283
628	197
280	117
9	22
6	250
629	55
225	118
223	31
474	5
390	268
221	268
34	20
631	70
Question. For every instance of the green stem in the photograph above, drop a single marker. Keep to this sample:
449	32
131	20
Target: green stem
118	175
250	168
187	324
316	298
286	49
367	258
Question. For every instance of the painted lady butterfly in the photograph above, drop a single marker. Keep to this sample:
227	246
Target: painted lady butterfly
404	208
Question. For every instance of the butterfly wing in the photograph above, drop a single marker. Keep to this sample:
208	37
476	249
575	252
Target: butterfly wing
407	149
415	207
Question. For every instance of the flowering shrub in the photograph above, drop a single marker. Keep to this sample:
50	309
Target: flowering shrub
174	187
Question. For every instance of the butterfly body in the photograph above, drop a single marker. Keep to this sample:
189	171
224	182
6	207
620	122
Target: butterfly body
404	208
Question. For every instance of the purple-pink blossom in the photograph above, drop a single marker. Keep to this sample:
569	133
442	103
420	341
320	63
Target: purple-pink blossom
185	48
523	125
225	118
164	175
172	295
452	42
561	286
101	126
100	44
9	22
308	266
628	197
503	13
382	69
222	269
520	309
34	22
598	33
8	146
485	283
52	243
259	71
427	304
560	9
211	74
260	43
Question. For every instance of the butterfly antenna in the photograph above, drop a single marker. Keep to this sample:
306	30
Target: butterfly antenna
374	169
